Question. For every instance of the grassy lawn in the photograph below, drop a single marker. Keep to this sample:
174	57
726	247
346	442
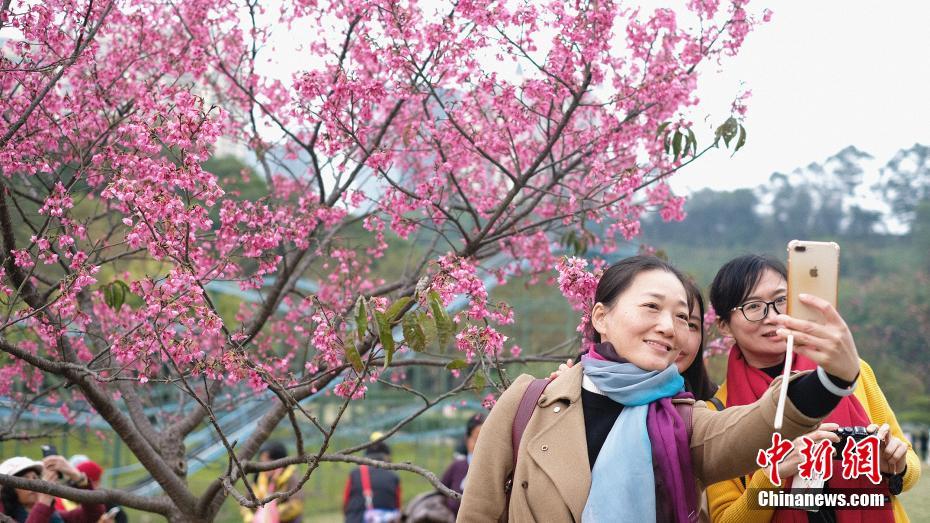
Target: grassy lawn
917	500
323	491
320	507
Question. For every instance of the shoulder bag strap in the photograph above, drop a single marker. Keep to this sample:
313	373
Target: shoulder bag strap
525	412
685	410
366	487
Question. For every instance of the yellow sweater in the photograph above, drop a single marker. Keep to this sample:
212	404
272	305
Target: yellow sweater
729	500
290	510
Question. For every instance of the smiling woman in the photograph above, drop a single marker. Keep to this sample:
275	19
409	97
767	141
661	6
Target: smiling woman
643	312
624	412
748	294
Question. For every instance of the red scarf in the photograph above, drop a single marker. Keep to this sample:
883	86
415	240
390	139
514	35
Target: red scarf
746	384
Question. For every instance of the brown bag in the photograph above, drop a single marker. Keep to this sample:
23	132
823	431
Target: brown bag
428	507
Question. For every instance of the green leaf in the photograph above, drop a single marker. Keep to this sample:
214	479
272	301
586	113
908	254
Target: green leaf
394	311
676	144
662	128
581	246
568	239
478	382
728	130
742	139
387	339
456	364
361	319
413	334
693	141
428	326
354	358
444	326
114	294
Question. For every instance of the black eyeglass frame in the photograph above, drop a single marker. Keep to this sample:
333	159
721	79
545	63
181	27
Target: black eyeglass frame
765	313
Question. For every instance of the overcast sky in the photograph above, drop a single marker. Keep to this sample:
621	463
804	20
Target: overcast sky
823	75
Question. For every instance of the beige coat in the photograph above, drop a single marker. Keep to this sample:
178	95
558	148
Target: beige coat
553	477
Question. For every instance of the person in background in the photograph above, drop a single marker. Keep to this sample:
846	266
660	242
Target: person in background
94	473
372	495
455	475
748	294
690	362
276	480
26	506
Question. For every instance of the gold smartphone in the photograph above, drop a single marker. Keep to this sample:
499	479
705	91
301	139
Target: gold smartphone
813	268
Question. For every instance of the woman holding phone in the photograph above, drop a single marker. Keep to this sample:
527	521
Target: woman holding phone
749	295
623	412
27	506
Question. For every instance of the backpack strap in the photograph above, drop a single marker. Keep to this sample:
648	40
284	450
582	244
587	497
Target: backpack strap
685	410
525	412
366	487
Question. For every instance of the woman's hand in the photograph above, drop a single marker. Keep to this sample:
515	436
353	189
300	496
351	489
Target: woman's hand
894	452
562	368
829	345
788	467
52	477
60	464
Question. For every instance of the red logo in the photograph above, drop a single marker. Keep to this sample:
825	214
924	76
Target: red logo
861	459
816	458
774	455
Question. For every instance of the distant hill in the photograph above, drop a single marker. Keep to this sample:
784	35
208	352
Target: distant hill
850	194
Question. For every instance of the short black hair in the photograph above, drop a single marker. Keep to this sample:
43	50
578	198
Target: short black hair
378	449
473	422
619	276
736	279
275	450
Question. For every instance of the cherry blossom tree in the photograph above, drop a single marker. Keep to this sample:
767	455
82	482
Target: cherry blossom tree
469	131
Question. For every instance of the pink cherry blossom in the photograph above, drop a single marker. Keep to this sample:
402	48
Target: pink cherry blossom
416	148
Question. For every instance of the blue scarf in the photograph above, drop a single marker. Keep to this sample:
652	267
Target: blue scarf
622	480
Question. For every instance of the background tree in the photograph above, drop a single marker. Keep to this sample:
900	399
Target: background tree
721	217
920	232
905	180
463	138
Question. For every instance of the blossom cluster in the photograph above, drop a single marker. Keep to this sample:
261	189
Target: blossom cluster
465	136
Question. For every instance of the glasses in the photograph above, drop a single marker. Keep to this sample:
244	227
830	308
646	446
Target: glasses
757	310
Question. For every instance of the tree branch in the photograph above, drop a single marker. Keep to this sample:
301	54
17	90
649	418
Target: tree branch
159	505
51	83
